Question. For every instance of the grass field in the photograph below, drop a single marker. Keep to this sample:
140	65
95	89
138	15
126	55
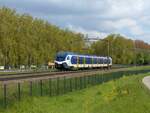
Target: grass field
125	95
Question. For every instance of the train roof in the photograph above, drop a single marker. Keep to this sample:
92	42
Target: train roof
72	53
65	53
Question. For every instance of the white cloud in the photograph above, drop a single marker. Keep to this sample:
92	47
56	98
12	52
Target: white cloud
124	23
124	8
90	33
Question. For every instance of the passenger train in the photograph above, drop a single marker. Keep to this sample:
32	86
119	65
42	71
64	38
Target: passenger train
70	61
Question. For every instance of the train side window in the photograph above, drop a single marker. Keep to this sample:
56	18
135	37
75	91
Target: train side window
98	60
74	60
101	61
95	61
81	60
88	60
68	58
105	61
108	61
84	60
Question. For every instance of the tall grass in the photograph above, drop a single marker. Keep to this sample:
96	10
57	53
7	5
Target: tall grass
125	95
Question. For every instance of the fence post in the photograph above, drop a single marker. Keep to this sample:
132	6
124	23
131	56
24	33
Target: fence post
76	83
50	87
85	82
104	78
64	84
5	95
98	79
88	80
91	80
19	91
67	85
73	83
94	79
30	88
57	90
70	85
101	79
41	88
81	83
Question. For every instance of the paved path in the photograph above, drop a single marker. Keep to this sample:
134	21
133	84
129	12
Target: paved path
146	81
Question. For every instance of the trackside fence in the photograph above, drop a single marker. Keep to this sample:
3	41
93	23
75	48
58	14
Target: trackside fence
11	92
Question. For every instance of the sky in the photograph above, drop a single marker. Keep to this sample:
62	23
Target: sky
97	18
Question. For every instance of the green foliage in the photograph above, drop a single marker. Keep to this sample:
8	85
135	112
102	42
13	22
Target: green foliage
25	40
122	50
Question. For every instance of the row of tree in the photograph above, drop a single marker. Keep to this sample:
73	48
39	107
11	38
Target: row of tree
123	50
25	40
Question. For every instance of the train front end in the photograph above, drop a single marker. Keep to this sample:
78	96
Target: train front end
61	61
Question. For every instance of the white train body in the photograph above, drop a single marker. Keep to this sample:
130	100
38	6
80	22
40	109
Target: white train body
67	60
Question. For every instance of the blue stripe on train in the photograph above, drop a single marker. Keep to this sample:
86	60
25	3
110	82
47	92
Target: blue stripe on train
88	60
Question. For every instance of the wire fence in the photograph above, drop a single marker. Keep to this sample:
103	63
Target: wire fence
11	92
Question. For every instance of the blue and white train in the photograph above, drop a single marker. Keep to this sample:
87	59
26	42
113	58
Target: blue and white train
69	61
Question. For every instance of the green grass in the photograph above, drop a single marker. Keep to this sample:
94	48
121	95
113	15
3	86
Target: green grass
125	95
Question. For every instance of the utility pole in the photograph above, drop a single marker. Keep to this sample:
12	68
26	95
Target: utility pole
108	52
134	44
108	49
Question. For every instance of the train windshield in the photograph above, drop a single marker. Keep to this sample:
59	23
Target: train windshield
60	58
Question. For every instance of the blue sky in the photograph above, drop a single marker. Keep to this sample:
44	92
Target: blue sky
130	18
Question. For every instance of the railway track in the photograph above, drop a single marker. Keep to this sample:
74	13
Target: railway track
40	72
25	73
35	75
49	74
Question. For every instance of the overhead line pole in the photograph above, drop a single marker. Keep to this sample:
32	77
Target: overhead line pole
108	49
134	53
